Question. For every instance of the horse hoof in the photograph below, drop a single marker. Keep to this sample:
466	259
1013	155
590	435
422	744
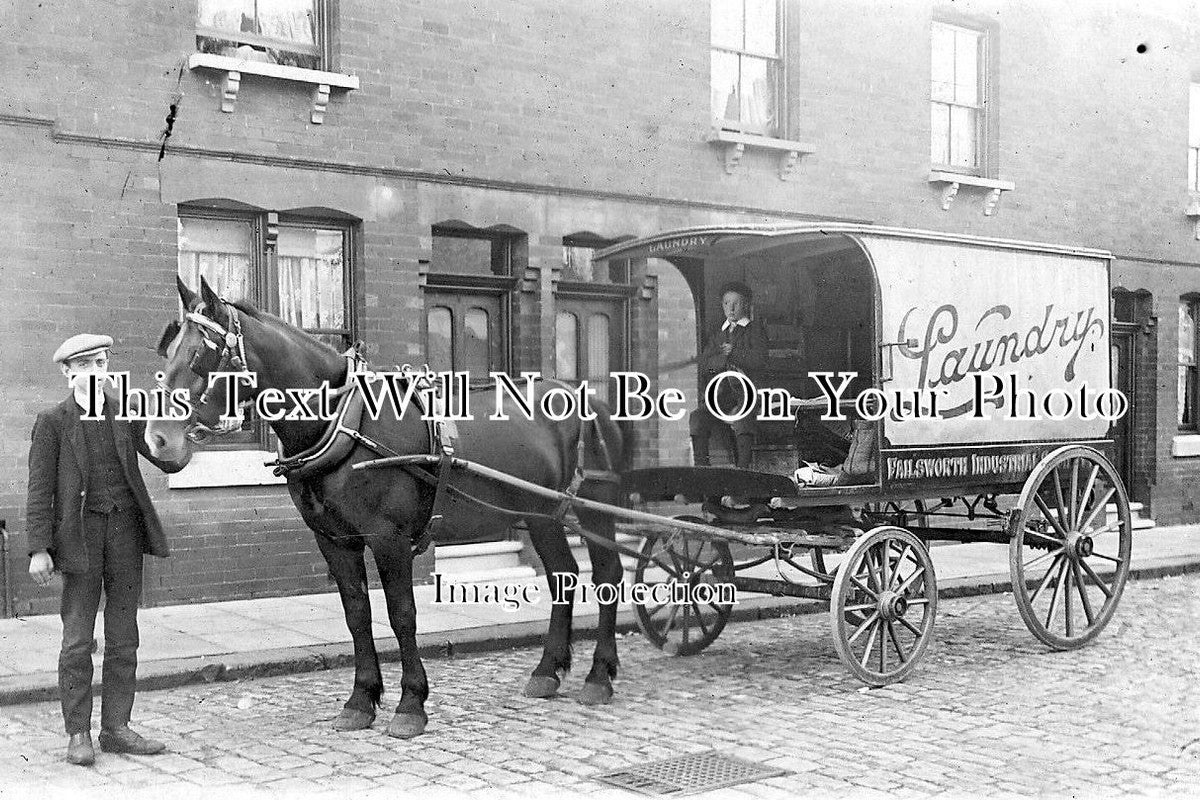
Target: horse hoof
595	694
541	686
352	719
406	726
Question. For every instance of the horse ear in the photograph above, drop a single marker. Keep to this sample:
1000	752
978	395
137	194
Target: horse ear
212	303
186	295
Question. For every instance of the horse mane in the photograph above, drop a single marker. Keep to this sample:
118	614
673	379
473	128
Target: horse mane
272	321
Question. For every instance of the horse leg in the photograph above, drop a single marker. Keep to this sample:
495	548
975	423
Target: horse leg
393	557
350	571
551	546
606	568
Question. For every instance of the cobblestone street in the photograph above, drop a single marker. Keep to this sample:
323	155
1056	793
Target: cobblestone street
989	712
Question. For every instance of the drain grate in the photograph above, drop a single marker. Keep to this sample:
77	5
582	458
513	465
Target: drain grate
689	774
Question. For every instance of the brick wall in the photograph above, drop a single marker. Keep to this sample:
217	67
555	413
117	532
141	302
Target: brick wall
551	120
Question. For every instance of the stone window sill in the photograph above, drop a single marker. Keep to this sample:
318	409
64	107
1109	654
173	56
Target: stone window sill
951	181
1185	445
209	468
234	68
734	144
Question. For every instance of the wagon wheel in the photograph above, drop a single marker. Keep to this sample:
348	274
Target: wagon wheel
682	629
888	577
1068	562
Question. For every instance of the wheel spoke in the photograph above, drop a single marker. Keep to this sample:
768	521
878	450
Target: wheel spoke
1044	555
1112	527
1050	517
861	607
862	627
882	649
1062	570
1045	579
1083	595
1074	491
868	561
884	555
1087	492
1100	583
870	592
910	626
1096	509
684	629
866	656
1058	494
1113	559
666	630
700	620
657	609
917	573
1067	574
900	651
1044	536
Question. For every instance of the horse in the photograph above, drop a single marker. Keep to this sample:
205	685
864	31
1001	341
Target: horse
388	510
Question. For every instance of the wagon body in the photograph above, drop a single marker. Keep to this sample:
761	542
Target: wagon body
949	329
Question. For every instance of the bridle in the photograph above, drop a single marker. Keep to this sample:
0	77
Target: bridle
226	354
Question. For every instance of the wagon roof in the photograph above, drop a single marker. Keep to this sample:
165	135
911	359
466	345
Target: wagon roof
725	240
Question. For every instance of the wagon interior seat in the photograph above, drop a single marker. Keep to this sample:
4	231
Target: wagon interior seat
817	300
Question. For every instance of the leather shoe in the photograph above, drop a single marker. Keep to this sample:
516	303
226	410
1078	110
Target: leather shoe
79	749
123	740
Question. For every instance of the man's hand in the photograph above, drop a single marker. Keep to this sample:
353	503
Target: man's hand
41	568
726	348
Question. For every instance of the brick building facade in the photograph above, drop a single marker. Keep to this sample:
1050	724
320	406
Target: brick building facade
499	141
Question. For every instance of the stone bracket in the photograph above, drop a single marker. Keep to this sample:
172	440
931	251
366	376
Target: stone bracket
233	70
951	182
734	144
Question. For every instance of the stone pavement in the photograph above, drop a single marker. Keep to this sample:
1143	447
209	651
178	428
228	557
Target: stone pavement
990	712
253	638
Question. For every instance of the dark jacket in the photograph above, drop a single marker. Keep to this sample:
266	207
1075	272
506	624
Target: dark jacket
749	353
57	492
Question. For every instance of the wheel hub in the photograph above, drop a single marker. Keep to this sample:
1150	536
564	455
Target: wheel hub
1080	546
892	605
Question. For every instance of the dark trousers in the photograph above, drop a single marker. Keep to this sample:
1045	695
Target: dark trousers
702	423
114	542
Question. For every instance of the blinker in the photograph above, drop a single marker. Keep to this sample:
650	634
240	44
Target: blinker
206	359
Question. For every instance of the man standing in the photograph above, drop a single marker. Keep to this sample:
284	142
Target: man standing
89	516
741	346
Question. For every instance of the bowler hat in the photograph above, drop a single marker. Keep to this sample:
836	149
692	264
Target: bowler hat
81	344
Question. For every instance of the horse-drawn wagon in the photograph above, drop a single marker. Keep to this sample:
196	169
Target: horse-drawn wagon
967	378
982	368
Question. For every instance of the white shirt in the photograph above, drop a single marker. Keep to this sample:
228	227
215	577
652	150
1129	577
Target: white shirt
741	323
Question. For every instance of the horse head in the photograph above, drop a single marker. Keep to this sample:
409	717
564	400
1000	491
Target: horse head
219	336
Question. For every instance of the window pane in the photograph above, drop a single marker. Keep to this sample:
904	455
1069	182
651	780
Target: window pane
566	346
726	23
598	365
311	277
966	67
1187	333
942	62
230	15
962	136
293	20
1193	169
1186	396
476	342
939	126
758	94
577	264
220	251
439	346
760	27
725	102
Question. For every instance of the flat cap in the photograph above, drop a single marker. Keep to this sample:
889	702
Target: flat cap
82	344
